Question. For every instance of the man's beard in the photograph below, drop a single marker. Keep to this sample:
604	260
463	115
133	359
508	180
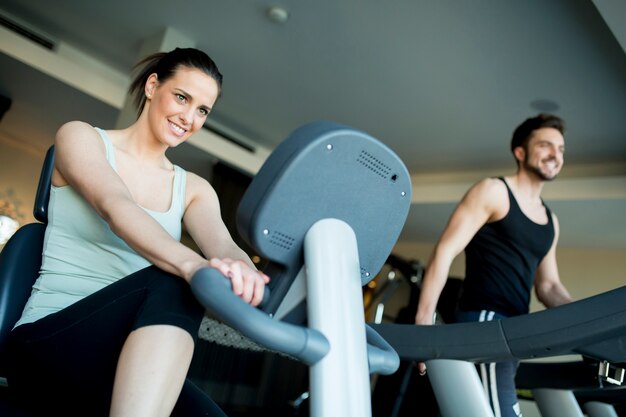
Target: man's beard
538	172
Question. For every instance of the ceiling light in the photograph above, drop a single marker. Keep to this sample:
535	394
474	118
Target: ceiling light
545	105
277	14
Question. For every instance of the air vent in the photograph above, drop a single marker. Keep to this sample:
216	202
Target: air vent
26	33
282	240
229	138
372	163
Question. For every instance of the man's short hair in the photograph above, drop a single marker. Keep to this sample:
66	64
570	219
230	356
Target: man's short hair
523	132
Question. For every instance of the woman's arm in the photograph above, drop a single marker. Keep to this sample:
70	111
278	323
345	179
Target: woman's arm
204	223
80	161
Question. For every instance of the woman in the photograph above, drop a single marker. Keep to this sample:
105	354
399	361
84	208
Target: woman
111	320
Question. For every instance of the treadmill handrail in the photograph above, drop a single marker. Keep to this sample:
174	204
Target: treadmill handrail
594	327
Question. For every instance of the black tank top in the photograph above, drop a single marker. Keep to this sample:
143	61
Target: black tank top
501	261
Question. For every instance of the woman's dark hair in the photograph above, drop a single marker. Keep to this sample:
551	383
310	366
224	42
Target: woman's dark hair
523	132
164	65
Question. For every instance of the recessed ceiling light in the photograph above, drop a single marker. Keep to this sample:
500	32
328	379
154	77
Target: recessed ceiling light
277	14
545	105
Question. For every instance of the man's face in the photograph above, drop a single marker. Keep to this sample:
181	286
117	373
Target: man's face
543	154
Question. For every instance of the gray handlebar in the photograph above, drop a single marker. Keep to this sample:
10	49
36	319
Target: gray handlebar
382	358
213	291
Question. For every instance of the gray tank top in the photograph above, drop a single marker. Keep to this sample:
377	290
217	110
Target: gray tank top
81	254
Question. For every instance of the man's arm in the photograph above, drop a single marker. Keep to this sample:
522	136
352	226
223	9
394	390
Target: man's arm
484	202
548	286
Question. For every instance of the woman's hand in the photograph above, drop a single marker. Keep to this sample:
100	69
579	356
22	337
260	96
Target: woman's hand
247	282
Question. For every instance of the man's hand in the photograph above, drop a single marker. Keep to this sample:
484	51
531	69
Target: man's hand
424	319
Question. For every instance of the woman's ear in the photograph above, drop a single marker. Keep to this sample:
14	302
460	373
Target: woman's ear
151	84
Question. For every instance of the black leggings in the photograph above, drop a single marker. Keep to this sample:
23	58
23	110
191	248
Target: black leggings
64	363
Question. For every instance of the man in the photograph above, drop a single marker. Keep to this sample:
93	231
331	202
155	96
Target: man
509	237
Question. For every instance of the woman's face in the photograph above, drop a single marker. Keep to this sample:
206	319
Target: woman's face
179	106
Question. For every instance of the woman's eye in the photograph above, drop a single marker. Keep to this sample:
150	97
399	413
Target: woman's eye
180	97
204	112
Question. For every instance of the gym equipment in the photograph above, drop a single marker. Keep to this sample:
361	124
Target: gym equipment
326	208
20	261
558	386
336	344
279	216
309	209
594	327
406	393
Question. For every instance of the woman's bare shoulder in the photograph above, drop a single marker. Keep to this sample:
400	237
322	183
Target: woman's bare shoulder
75	133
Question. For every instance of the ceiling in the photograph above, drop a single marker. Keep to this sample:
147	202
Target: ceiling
441	82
